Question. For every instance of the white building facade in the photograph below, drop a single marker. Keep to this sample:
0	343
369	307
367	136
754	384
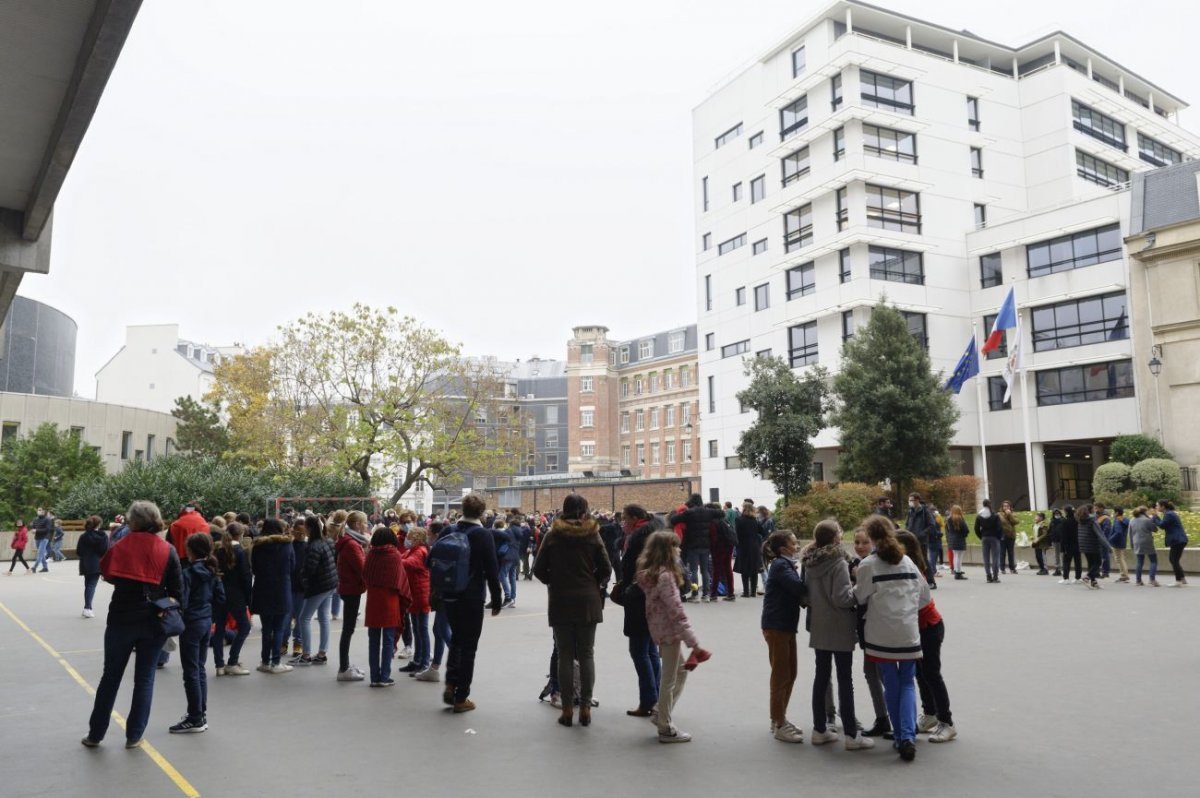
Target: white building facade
155	367
872	154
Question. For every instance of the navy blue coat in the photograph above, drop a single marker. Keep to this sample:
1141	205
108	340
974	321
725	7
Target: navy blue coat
272	562
201	589
90	548
781	600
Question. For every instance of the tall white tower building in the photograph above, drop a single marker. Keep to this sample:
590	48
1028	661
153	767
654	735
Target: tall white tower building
872	154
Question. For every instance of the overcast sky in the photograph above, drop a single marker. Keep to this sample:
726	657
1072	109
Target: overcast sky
502	171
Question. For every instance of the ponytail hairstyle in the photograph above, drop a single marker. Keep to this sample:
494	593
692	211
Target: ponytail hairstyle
200	547
659	555
226	556
336	524
826	532
883	535
913	548
775	543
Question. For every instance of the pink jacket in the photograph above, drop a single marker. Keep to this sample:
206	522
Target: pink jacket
20	539
664	610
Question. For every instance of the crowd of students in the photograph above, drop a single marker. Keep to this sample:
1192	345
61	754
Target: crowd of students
301	567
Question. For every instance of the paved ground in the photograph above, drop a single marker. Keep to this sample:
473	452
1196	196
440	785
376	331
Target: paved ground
1056	691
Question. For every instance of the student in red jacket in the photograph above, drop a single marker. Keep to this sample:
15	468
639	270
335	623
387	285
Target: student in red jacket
350	542
19	542
189	522
388	598
417	571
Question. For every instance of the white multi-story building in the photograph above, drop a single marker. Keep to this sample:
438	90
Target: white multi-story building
155	367
871	154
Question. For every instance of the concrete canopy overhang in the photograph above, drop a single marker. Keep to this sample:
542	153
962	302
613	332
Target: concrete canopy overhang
55	59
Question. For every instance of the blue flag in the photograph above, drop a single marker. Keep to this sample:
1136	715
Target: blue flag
968	367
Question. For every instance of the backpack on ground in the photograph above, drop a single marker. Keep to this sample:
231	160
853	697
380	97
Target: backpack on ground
450	562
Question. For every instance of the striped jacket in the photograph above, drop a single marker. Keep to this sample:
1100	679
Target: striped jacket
892	594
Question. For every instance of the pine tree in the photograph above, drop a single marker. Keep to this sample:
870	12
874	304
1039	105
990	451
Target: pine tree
200	431
791	412
896	421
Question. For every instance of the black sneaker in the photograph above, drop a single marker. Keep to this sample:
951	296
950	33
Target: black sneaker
410	668
960	576
881	727
186	726
908	751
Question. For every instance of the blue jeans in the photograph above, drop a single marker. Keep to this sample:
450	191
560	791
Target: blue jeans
193	652
648	665
935	554
273	637
701	560
337	604
218	640
441	636
89	589
56	550
144	641
318	604
508	580
43	549
1141	559
379	652
419	621
991	557
900	694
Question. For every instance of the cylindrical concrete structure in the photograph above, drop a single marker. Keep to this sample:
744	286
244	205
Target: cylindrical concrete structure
37	350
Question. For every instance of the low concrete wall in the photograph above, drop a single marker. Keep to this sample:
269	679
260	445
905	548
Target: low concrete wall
69	539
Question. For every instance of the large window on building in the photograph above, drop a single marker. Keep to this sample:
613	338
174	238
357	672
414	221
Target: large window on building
973	113
797	228
798	61
847	325
896	265
801	280
1079	322
843	209
917	327
729	245
884	91
758	247
793	118
794	165
1000	352
1100	172
1074	251
758	189
835	92
762	297
1155	152
802	344
976	162
646	349
1100	127
728	136
738	348
1090	383
844	265
839	143
675	341
893	209
996	387
894	145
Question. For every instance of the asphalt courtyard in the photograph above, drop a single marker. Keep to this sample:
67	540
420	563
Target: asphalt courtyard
1056	691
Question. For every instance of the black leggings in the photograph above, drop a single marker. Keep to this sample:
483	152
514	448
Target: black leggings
1068	556
349	620
18	554
1175	553
750	584
845	679
1093	562
935	699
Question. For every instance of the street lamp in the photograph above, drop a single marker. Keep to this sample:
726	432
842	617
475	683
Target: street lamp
1155	365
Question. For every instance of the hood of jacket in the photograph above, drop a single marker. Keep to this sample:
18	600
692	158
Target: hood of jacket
819	559
581	528
267	539
200	571
985	512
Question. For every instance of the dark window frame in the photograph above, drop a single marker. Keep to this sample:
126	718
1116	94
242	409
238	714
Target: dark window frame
839	144
1000	352
762	297
1149	151
843	208
797	71
883	135
988	278
888	219
844	265
922	334
1077	261
800	235
735	349
728	136
807	275
731	244
1068	328
973	113
996	388
847	325
758	247
807	353
1099	171
1070	384
835	92
796	107
1104	128
895	86
756	139
881	270
758	189
977	162
792	176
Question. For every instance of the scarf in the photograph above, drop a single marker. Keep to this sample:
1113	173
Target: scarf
384	569
140	556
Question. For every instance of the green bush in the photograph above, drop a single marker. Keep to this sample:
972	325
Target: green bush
1158	478
1123	498
1133	449
1111	478
848	502
217	485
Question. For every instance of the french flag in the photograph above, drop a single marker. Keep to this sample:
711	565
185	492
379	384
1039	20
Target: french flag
1006	319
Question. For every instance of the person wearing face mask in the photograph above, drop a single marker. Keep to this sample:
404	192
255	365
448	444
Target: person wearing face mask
987	527
922	523
413	558
783	596
43	531
638	525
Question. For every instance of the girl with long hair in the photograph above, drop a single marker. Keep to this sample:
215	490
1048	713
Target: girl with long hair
894	590
956	540
237	581
783	596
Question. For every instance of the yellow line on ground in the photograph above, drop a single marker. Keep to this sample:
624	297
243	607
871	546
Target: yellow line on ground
83	651
166	767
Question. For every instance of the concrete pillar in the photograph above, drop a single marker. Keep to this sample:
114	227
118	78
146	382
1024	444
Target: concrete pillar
1089	66
956	51
1121	84
977	470
1040	483
908	36
849	21
1098	456
1057	52
1150	99
1016	69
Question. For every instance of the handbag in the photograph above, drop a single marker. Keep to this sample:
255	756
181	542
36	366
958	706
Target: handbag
168	613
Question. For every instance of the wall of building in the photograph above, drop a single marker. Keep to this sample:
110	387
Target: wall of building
37	349
119	433
155	367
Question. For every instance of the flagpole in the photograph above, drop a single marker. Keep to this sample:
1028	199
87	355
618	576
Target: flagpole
1029	464
987	489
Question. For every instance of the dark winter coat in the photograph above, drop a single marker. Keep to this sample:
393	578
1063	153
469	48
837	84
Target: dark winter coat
1091	538
921	523
201	590
574	566
782	596
1170	523
90	548
988	526
272	561
238	582
696	521
43	527
1070	535
956	535
749	545
319	573
633	599
1056	524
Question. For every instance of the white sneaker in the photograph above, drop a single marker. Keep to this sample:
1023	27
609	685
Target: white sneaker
429	675
822	737
220	671
280	668
859	742
944	734
88	613
927	723
674	736
236	670
264	668
350	675
405	653
788	733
